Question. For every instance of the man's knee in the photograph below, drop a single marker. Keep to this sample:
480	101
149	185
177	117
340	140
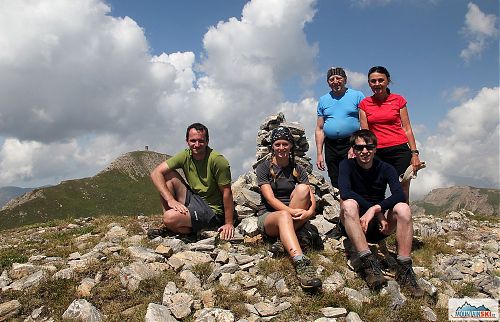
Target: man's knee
350	209
173	219
402	212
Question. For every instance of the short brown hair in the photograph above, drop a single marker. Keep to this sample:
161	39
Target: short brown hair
364	134
197	127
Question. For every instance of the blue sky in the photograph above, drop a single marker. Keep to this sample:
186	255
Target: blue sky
419	41
84	81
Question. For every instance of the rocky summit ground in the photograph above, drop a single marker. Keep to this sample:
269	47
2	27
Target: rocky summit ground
105	269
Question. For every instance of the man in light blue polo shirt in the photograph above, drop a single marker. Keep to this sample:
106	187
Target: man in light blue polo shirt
338	118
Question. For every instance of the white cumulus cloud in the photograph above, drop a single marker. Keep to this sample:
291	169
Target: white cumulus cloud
479	28
78	86
465	147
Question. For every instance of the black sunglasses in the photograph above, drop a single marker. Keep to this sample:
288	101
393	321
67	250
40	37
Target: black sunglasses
360	147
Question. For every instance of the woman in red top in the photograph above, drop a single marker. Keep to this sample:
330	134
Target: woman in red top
386	115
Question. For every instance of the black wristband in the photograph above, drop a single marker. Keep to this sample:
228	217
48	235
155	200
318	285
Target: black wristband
414	152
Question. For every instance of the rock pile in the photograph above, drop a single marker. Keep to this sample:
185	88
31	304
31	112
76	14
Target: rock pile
299	137
246	191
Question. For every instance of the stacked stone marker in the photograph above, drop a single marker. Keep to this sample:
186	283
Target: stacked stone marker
299	137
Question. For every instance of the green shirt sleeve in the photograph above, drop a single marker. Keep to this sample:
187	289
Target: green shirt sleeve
221	171
177	161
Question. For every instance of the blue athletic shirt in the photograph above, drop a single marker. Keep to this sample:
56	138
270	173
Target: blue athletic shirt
340	113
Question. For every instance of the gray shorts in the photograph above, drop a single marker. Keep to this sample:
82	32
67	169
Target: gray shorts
260	220
202	216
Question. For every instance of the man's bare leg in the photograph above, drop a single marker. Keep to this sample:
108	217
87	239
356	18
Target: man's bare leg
172	219
349	216
400	219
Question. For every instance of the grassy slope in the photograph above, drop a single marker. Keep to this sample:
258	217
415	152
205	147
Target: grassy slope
110	192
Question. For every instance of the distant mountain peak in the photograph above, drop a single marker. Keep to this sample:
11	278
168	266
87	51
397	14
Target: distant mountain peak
481	201
123	187
136	164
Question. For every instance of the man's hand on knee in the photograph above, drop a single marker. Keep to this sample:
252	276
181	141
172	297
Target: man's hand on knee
174	204
368	216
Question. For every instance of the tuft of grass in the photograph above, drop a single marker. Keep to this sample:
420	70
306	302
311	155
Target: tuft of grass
275	266
308	308
377	310
202	271
425	251
338	262
11	255
355	283
410	311
466	289
442	313
56	296
113	300
232	300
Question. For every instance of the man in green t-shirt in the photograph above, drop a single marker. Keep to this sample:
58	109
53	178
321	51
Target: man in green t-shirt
206	200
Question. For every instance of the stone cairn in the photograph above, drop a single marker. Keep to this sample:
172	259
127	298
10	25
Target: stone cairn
246	191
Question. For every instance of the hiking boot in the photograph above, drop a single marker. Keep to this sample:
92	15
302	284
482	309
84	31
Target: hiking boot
371	272
157	232
309	238
407	279
306	274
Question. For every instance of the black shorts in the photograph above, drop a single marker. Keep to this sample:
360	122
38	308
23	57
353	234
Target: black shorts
335	151
202	216
399	156
373	234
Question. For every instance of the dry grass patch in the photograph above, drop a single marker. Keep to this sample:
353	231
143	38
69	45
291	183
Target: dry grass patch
12	255
467	289
202	271
310	304
429	247
410	311
113	300
233	300
56	296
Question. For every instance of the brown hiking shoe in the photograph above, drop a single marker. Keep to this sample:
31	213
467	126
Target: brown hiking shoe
306	274
406	278
371	272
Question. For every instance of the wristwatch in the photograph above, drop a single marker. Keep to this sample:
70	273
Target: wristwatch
414	152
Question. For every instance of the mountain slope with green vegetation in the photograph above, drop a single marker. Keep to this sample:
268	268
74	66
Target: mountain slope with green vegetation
481	201
8	193
123	188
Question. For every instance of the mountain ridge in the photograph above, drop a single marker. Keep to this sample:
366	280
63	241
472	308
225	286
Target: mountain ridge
481	201
124	187
8	193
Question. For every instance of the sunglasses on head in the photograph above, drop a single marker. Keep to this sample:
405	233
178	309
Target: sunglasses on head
360	147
